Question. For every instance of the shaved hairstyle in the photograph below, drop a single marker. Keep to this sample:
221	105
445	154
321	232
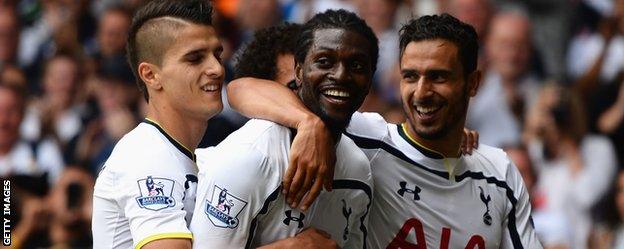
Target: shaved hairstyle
154	27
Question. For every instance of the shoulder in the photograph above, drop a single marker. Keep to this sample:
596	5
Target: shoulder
491	161
368	125
247	151
255	133
143	150
351	160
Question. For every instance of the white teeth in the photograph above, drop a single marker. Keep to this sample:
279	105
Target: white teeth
210	87
426	110
336	93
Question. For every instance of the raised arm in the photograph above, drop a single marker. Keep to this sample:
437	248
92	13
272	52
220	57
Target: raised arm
312	154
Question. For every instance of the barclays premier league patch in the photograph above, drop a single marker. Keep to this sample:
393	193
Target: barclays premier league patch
156	193
224	208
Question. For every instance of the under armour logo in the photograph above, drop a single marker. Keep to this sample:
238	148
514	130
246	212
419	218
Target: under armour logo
347	213
487	219
404	190
290	218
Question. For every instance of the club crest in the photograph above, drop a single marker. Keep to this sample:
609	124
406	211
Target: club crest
156	193
223	208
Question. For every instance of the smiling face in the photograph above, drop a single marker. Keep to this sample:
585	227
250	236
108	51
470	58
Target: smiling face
191	74
434	90
335	76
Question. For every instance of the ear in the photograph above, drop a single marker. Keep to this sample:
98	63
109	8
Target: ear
149	74
298	74
474	81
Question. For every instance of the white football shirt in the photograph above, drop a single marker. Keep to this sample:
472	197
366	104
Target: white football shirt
146	190
483	204
239	200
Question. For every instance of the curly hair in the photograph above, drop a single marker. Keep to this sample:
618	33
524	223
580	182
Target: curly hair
336	19
150	34
258	58
445	27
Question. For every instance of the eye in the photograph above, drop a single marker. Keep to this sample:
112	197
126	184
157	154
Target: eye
410	77
194	58
323	62
358	66
437	77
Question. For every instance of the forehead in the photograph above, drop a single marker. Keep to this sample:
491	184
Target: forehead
340	40
430	54
193	36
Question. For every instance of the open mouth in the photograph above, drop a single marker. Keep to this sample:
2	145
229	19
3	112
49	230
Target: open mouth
336	95
427	113
211	87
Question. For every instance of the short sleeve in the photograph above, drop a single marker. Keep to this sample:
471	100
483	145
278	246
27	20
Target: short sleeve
368	125
235	184
519	230
153	202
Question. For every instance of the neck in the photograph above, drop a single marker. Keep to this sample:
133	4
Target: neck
447	146
188	131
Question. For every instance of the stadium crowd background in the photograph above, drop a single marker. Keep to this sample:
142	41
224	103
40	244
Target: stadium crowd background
552	96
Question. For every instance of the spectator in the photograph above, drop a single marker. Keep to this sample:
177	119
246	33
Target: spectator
116	99
574	168
111	36
71	208
57	113
497	111
9	34
16	155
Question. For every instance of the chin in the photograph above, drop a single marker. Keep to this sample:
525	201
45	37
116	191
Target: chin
431	133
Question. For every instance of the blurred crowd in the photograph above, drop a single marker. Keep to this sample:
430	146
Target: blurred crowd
552	96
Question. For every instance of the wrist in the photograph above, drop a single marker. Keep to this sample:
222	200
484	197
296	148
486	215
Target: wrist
310	120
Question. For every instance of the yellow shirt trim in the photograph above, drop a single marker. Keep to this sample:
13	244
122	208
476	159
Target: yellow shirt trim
449	168
403	126
181	144
164	236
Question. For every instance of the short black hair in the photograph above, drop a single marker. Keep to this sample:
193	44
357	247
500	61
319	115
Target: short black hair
336	19
259	57
447	27
195	11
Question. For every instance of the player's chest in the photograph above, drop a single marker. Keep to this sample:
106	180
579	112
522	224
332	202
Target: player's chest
339	213
416	207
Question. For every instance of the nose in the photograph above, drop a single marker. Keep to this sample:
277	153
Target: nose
340	73
423	88
215	69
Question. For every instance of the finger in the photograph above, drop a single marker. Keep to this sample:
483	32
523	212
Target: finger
304	189
469	143
290	174
476	140
314	192
296	183
329	177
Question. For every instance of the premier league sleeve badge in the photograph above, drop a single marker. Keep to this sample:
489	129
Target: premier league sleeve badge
156	193
223	208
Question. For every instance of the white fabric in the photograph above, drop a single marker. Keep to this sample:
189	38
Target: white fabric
22	160
574	195
445	211
584	50
122	213
240	204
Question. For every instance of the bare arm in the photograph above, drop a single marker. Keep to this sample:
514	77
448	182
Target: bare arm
613	117
168	243
312	155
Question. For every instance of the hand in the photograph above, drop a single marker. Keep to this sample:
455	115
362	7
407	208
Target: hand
311	164
313	238
470	141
